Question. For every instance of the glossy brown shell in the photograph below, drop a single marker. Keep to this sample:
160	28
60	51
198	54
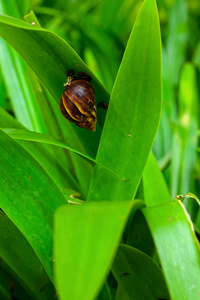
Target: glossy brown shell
77	104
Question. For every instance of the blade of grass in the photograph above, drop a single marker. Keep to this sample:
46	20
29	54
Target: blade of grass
22	260
25	135
45	156
85	242
177	248
154	185
134	112
29	197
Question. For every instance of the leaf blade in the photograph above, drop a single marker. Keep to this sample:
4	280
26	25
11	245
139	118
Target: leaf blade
29	197
127	136
76	229
177	248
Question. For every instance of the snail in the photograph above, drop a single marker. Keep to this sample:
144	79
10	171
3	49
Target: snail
77	103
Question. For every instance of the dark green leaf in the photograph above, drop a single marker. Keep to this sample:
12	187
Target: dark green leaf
139	275
29	197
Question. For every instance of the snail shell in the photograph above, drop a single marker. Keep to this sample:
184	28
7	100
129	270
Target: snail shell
77	103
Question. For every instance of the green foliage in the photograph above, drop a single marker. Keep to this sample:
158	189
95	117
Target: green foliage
136	92
71	224
78	248
143	278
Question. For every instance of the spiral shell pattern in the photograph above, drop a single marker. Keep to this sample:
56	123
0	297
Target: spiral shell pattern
77	104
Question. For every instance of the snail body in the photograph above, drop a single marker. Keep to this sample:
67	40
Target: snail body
77	103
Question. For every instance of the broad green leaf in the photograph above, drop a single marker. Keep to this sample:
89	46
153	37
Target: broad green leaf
139	275
177	248
25	135
134	112
43	154
154	185
85	242
50	58
29	197
22	260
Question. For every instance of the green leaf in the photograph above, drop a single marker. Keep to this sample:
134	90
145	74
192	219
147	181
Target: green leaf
18	88
134	112
26	135
177	248
29	197
22	260
154	185
10	285
43	154
14	74
139	275
85	242
139	235
7	120
50	58
39	107
121	294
